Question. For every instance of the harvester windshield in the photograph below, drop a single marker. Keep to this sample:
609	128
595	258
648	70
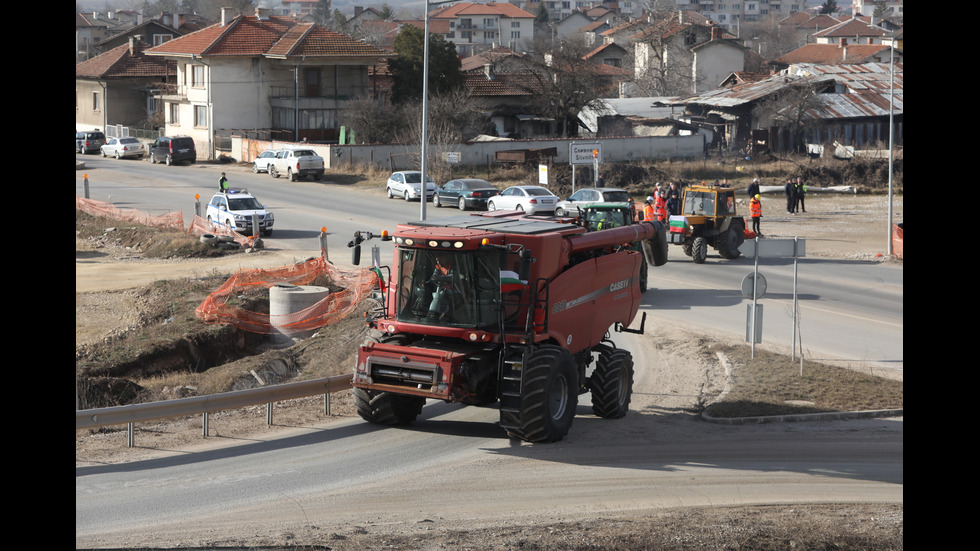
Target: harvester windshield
449	288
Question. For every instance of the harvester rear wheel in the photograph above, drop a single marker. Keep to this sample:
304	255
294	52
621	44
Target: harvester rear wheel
549	395
612	383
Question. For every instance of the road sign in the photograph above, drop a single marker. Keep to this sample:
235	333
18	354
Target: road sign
584	153
452	157
774	248
749	283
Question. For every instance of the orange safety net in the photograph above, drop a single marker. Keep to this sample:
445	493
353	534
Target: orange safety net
354	288
171	220
200	226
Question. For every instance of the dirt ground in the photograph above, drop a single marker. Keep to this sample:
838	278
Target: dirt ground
837	226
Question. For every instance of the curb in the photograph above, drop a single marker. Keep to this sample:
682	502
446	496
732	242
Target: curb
791	418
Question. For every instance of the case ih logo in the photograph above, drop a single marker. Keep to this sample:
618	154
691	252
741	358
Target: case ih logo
563	305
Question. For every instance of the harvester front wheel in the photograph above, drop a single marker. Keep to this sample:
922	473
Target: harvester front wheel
385	408
612	383
549	395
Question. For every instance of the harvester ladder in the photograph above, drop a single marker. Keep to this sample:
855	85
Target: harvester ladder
511	368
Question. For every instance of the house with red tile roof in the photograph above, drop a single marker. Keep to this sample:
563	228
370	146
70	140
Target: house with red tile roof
119	86
474	28
263	72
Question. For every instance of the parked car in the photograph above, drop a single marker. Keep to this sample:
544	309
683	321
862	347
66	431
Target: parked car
407	184
465	193
591	195
89	142
530	199
123	147
266	158
173	149
297	163
234	208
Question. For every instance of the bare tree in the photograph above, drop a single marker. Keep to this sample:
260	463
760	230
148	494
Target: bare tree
798	106
772	39
663	60
454	117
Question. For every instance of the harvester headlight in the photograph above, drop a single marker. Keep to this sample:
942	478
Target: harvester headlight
433	243
458	244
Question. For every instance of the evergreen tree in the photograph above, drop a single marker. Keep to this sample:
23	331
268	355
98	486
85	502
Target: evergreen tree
407	68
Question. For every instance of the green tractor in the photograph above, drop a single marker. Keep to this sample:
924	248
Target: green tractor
606	215
708	218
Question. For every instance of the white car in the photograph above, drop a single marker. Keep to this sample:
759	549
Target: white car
262	162
123	147
235	207
530	199
407	184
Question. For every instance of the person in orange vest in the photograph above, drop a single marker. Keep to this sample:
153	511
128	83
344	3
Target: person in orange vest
648	209
660	207
755	210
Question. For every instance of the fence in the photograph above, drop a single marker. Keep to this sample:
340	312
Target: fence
142	134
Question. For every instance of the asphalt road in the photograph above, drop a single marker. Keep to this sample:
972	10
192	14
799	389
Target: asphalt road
848	311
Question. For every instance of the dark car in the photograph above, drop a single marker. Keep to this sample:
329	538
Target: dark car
173	149
466	193
89	142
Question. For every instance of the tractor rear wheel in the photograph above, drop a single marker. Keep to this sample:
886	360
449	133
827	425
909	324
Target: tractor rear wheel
699	250
549	395
612	383
731	240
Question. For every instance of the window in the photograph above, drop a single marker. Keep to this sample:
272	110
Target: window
515	24
96	101
161	38
197	76
489	23
489	35
200	115
515	34
312	77
174	114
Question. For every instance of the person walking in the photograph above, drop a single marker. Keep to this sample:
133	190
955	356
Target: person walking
755	211
800	195
648	209
222	183
790	196
673	200
754	188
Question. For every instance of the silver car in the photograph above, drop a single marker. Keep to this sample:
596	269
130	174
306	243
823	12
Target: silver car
123	147
530	199
591	195
407	184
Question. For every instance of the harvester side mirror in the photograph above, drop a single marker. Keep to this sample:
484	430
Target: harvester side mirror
524	270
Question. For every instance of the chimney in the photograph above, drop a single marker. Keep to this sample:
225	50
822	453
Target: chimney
261	13
843	46
680	17
358	10
225	16
133	45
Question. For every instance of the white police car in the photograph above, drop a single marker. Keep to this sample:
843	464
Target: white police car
235	207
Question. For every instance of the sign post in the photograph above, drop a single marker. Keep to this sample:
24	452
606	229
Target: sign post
585	154
770	248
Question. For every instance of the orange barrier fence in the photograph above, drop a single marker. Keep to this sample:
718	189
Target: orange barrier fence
172	220
898	236
200	226
354	287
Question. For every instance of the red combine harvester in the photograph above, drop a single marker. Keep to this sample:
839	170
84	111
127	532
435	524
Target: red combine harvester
502	307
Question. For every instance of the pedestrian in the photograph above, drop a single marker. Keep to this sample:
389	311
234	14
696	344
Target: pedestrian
754	188
790	195
673	200
800	195
222	183
601	181
755	210
648	209
660	206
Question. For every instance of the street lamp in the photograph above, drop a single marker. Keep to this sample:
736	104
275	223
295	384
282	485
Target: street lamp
891	132
425	103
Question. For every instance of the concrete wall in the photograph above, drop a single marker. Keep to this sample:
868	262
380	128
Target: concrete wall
405	157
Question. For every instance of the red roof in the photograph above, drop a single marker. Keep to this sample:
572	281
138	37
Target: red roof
248	35
465	9
119	62
832	54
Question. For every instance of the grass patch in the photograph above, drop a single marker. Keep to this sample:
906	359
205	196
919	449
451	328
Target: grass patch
771	384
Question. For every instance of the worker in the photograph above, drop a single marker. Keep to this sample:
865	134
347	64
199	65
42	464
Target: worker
442	279
222	183
755	210
660	206
648	209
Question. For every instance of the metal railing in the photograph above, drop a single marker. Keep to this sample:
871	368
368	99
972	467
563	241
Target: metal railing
152	411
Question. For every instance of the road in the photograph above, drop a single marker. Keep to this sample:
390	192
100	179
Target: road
849	311
455	466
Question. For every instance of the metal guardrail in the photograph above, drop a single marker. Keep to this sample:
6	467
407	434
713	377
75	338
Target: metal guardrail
151	411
